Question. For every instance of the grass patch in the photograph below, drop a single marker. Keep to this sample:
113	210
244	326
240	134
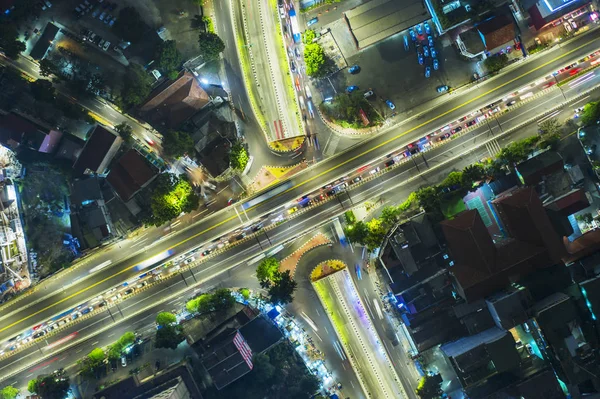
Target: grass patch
452	206
210	25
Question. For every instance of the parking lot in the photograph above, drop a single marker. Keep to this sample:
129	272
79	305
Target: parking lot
393	72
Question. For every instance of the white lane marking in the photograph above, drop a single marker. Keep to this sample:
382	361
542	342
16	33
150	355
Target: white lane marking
378	309
309	321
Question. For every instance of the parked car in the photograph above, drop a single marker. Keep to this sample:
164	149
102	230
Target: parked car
433	52
354	69
293	66
123	361
436	64
412	34
427	28
442	89
350	89
427	72
112	21
529	349
312	21
406	45
368	93
101	17
420	58
106	46
390	104
419	29
425	51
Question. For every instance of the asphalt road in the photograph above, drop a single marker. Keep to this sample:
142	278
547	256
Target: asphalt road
169	293
253	134
46	303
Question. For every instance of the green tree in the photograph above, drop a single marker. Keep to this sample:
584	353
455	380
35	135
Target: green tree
244	292
171	196
165	319
429	199
9	42
389	215
54	386
349	217
125	131
376	233
591	113
211	46
130	26
267	268
32	385
550	141
496	62
136	86
472	174
314	58
47	67
518	151
222	300
308	36
176	143
357	232
282	288
9	392
169	337
91	365
550	126
42	90
201	304
168	58
429	387
263	370
238	156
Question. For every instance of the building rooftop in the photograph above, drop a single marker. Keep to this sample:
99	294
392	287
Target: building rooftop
43	44
85	190
96	149
534	169
378	19
130	174
497	31
173	102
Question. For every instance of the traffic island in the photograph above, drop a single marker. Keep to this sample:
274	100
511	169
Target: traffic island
291	262
269	175
326	268
291	144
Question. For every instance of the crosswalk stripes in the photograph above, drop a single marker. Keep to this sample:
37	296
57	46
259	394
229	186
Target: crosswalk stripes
493	148
332	145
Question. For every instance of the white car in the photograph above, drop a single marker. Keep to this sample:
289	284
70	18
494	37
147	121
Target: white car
123	361
106	46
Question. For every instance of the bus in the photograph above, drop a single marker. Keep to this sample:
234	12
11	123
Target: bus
267	195
294	25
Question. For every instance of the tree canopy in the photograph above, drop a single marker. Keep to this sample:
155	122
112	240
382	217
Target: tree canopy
53	386
92	364
172	195
238	156
591	113
32	385
136	86
165	319
169	337
218	301
210	45
8	392
42	90
115	351
175	144
168	58
314	58
9	42
549	126
308	36
429	387
495	62
125	131
267	268
47	67
281	288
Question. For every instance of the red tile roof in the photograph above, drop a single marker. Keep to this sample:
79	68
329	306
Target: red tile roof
130	174
175	101
497	31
